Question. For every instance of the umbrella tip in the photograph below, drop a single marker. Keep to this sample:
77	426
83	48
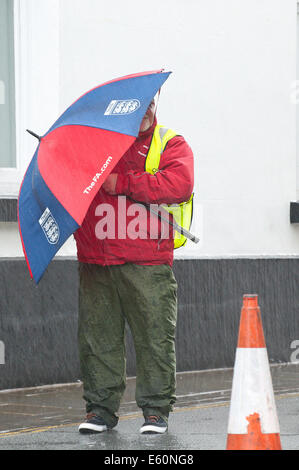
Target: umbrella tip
34	135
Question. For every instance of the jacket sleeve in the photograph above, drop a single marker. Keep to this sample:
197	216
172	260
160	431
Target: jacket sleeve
172	184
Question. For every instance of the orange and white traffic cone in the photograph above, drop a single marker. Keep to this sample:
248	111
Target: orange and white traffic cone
253	422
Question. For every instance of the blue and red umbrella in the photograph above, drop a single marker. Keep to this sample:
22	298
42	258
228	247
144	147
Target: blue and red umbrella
74	158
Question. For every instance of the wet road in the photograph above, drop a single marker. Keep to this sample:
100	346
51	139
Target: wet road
47	418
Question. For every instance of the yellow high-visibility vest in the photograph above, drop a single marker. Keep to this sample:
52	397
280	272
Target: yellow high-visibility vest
182	213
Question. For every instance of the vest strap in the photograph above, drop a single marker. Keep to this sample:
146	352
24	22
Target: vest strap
160	138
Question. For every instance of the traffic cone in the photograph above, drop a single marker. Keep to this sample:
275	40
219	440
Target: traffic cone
253	422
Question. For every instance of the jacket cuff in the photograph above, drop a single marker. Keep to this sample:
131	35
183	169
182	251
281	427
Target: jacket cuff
122	184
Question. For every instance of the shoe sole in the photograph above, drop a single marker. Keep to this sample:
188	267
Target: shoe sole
91	428
152	430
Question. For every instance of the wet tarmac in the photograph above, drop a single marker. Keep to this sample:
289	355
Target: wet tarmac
47	418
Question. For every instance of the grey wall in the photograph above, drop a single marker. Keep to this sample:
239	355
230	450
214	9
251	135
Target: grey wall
38	324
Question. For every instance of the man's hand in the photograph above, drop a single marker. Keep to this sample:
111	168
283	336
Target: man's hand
110	184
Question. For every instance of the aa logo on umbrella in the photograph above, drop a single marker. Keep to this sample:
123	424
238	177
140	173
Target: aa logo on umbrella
50	227
121	107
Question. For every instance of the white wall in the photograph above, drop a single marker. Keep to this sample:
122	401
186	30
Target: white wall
233	64
295	97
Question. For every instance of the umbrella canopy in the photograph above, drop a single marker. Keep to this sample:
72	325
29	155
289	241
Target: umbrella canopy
74	158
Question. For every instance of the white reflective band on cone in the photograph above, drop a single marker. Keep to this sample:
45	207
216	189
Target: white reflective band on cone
252	392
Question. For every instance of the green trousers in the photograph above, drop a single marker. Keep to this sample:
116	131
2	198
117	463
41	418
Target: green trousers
146	298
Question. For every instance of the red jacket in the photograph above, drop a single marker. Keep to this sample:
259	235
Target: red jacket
172	184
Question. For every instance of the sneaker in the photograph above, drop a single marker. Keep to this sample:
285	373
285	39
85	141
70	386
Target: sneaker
92	424
153	425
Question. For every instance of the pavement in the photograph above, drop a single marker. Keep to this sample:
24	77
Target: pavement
47	418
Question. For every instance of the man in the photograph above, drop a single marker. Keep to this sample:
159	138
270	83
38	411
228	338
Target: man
124	277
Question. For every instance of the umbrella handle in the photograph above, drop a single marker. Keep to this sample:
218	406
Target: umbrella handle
176	226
